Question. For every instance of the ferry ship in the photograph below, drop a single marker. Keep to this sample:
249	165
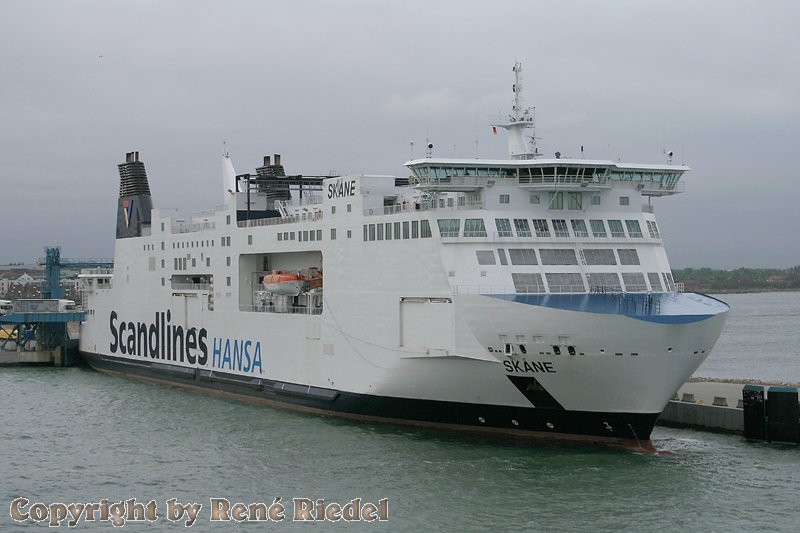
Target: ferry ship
528	297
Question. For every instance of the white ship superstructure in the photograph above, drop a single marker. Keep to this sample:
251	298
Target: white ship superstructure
527	297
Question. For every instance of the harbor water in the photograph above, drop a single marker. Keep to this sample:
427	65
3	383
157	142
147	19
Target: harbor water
74	435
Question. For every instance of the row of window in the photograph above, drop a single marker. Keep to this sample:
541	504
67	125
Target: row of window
185	244
474	227
559	282
559	256
413	229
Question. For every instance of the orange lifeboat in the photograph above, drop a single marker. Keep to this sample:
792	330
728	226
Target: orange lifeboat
283	283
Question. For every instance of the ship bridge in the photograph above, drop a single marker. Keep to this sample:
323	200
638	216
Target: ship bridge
471	175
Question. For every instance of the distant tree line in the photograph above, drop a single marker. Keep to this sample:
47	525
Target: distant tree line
738	280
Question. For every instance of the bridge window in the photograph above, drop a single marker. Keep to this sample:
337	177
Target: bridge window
540	225
652	229
449	227
503	227
473	227
522	227
560	228
616	228
579	228
634	230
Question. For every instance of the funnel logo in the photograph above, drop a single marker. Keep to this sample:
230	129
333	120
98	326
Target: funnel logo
127	210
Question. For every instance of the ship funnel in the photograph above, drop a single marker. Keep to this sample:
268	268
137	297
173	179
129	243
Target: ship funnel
134	204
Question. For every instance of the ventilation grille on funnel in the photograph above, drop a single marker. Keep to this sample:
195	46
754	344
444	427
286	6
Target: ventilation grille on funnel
132	176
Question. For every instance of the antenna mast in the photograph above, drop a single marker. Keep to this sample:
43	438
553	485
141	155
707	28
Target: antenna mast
520	119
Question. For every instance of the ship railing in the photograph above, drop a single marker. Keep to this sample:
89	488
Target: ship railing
191	227
286	310
274	221
409	207
191	286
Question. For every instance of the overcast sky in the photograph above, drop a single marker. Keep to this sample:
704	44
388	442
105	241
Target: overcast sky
345	85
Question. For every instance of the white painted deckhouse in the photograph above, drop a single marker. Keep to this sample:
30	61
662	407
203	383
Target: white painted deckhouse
527	297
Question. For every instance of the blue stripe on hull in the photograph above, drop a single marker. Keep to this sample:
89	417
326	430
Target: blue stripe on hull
660	308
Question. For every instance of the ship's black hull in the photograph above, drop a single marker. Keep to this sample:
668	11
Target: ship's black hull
630	430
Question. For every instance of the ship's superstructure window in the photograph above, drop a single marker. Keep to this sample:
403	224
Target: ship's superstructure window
405	230
598	228
615	226
522	256
556	200
624	200
534	199
669	283
379	227
485	257
575	201
540	225
473	227
397	230
349	234
558	256
634	230
652	229
449	227
565	282
527	283
595	199
579	227
388	231
462	200
628	256
333	210
425	229
560	228
503	227
655	282
349	208
228	261
228	220
501	253
162	263
415	229
228	281
249	239
505	198
634	282
522	227
372	232
600	257
333	234
609	280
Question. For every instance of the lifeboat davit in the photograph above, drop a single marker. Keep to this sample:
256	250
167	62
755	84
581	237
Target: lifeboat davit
283	283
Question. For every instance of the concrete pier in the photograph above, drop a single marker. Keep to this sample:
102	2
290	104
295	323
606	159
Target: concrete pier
707	405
